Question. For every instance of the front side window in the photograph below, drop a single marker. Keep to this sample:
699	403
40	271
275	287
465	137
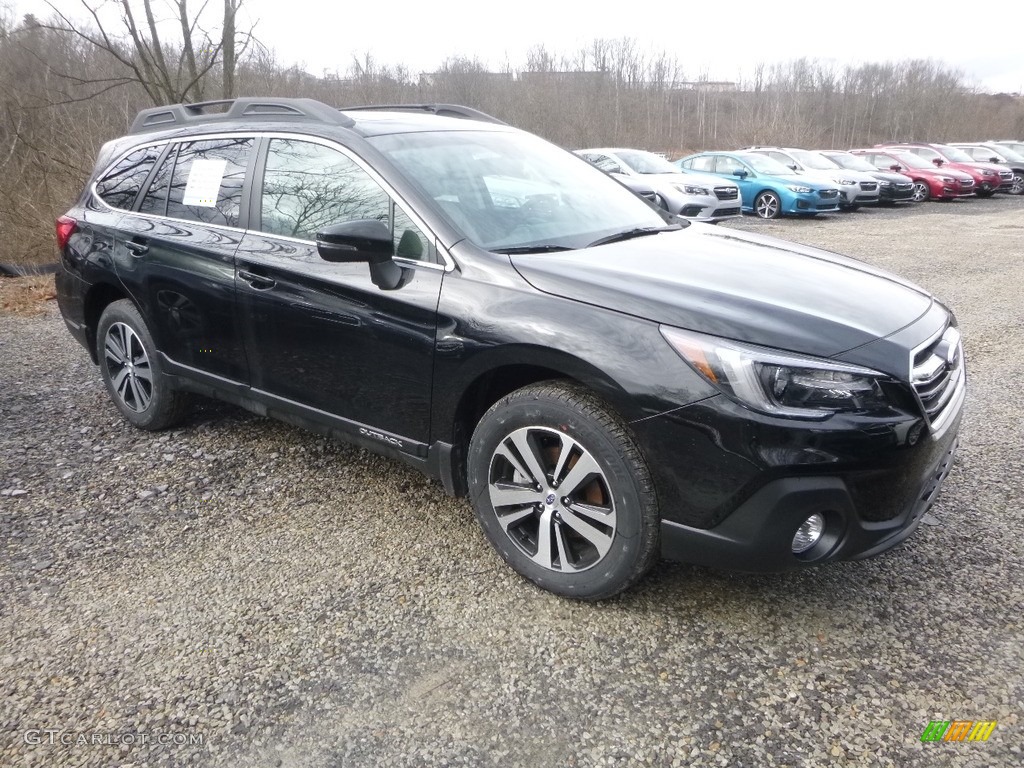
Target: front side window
207	181
308	186
728	164
121	185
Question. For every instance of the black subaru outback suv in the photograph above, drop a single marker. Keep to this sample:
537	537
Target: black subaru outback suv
606	383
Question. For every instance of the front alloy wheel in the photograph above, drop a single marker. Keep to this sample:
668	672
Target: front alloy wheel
1018	183
552	499
563	492
921	192
767	205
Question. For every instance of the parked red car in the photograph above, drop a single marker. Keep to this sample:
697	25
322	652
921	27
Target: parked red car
988	177
930	182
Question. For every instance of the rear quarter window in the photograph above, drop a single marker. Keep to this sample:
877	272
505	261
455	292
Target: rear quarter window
119	186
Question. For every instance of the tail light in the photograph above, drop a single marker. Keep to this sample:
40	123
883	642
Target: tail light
66	227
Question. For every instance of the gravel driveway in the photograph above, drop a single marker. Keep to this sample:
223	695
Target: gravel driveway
253	595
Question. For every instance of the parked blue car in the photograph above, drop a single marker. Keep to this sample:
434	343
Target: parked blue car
769	188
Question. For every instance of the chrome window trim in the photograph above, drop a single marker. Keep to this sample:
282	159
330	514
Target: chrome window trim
447	266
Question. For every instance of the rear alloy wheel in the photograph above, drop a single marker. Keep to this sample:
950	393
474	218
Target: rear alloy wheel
767	205
921	192
130	369
1018	183
562	491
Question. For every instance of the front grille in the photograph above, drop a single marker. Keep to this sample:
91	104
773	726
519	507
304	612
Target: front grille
937	373
828	194
726	193
869	186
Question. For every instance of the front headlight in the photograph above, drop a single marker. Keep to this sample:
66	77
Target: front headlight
885	184
779	383
947	179
690	189
798	189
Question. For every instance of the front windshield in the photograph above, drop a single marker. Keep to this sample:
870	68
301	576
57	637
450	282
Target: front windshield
509	190
645	162
814	160
956	155
911	160
766	165
851	162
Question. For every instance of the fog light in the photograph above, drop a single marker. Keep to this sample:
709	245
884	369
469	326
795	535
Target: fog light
808	533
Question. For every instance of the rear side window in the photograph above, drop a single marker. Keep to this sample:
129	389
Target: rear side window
207	181
155	200
121	184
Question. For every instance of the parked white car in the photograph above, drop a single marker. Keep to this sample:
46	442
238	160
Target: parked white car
696	196
856	188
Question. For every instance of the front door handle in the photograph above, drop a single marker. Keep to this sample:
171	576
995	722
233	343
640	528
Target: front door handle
137	247
259	282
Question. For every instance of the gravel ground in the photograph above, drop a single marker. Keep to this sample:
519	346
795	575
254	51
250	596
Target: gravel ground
287	601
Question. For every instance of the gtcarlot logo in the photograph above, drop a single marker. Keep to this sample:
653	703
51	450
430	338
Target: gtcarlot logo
100	738
958	730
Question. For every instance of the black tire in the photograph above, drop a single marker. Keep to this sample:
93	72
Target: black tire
921	192
985	193
1018	183
132	372
571	433
767	205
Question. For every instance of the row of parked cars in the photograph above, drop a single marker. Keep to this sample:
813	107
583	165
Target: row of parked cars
773	181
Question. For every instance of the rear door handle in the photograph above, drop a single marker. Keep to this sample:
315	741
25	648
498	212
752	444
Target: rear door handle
137	247
259	282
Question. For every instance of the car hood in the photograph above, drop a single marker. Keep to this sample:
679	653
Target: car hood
736	285
895	178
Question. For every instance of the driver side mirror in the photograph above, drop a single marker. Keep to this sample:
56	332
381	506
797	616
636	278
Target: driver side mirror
938	161
896	167
794	167
994	160
362	240
741	172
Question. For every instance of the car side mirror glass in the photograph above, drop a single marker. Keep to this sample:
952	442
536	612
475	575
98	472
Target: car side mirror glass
362	240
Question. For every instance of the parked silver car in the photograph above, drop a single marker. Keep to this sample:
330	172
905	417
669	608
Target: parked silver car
692	195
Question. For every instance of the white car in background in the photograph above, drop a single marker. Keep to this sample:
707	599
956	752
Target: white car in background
695	196
856	188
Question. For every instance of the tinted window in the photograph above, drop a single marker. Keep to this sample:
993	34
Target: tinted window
207	181
155	199
307	187
121	185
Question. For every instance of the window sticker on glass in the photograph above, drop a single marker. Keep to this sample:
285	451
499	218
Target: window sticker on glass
203	184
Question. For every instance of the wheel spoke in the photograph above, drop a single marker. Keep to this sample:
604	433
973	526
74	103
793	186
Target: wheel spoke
120	382
509	520
509	495
143	372
114	351
563	549
141	397
543	556
567	448
523	443
584	469
601	541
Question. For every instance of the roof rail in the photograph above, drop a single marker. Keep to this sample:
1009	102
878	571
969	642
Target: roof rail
443	110
248	108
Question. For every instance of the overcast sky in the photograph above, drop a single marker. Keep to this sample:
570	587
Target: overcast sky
723	40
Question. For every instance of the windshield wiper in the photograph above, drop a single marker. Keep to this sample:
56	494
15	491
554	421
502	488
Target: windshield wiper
629	234
533	249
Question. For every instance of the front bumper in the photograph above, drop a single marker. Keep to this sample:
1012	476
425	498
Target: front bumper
758	536
707	207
